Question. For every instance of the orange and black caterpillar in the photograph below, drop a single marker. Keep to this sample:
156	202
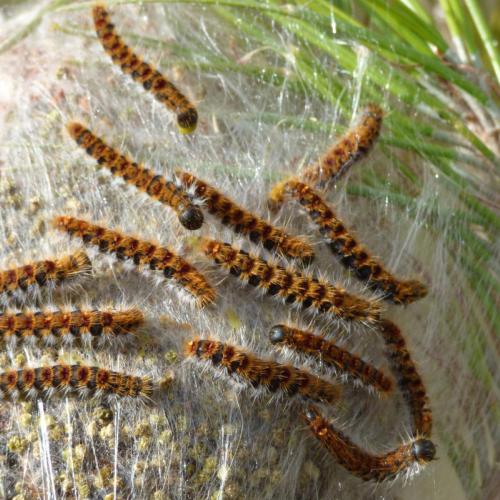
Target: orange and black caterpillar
67	326
409	456
142	253
291	285
43	273
142	72
352	255
244	222
352	146
409	380
330	354
265	373
64	379
144	179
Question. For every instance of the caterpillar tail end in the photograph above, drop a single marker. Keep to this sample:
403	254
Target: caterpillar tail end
74	129
201	244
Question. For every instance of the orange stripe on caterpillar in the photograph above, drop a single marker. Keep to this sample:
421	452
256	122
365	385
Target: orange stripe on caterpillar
266	373
91	380
352	255
144	179
141	252
244	222
409	456
68	325
44	272
142	72
291	285
351	147
409	380
332	355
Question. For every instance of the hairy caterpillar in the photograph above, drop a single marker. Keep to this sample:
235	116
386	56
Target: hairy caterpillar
326	351
352	255
411	455
352	146
63	379
43	273
244	222
290	285
409	380
142	253
266	373
52	326
143	73
155	186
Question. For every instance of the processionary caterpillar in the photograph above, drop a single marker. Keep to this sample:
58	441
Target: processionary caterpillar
352	146
66	326
409	380
142	253
62	379
244	222
44	273
143	73
291	285
265	373
417	452
332	355
352	255
144	179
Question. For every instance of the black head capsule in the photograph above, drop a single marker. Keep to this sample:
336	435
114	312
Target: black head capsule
277	334
187	121
191	217
424	450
